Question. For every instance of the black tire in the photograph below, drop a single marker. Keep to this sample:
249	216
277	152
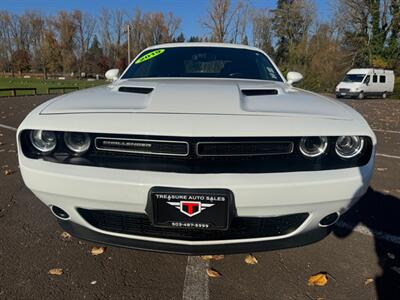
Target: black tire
384	95
361	96
338	97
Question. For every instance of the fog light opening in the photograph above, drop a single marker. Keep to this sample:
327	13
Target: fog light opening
329	220
59	213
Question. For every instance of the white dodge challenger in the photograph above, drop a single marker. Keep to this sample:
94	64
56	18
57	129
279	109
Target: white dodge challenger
197	148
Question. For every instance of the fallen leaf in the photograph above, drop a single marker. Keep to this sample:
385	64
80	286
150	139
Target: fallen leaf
93	282
391	255
368	281
381	169
211	272
319	279
65	236
8	172
396	269
97	250
250	260
212	257
56	271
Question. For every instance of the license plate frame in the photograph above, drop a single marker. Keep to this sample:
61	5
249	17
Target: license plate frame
201	209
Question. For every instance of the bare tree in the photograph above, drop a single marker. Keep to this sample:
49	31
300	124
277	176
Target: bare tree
262	30
85	29
220	20
64	26
112	32
6	40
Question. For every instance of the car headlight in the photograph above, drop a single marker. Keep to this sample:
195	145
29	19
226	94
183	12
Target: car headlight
78	142
43	140
313	146
349	146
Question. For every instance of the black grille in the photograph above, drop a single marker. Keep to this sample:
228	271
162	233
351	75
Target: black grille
139	224
344	90
243	149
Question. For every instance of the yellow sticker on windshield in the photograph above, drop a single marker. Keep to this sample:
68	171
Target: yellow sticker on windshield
150	55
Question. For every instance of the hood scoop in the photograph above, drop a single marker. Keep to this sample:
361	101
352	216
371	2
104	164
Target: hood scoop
260	92
135	90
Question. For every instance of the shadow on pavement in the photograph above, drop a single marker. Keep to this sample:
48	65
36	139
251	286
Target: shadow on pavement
381	214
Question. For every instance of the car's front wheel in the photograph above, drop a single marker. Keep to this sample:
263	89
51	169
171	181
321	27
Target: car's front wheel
361	95
384	95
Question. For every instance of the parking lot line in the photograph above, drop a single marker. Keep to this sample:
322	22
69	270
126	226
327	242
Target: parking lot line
8	127
388	156
196	279
383	130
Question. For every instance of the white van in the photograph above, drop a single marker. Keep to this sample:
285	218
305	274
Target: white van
362	83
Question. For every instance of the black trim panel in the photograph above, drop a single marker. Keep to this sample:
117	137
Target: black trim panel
240	227
260	92
195	164
135	90
295	241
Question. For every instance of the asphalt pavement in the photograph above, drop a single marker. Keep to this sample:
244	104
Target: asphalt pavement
361	257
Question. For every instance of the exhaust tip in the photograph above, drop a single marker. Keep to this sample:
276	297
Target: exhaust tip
59	213
329	220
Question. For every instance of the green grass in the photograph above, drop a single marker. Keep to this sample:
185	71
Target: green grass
41	85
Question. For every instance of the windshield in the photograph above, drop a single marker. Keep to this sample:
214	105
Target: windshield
214	62
354	78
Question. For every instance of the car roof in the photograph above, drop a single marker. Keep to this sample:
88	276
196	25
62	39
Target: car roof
204	44
367	70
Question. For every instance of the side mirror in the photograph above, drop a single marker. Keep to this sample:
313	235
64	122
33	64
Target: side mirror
112	74
293	77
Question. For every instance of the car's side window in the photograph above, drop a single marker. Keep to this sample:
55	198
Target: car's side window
375	78
382	79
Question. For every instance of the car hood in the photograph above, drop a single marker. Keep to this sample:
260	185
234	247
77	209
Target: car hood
348	85
198	96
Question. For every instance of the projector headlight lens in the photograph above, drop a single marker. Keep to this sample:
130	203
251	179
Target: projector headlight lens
313	146
78	142
43	140
349	146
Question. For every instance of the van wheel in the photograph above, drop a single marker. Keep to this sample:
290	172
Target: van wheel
361	95
384	95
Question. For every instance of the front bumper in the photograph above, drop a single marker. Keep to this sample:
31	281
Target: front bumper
301	239
347	94
317	193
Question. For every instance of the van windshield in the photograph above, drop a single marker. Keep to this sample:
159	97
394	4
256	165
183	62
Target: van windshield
206	62
354	78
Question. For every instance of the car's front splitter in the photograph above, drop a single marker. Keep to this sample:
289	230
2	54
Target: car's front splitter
298	240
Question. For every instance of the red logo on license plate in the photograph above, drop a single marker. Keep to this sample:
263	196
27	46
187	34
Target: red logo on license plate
190	208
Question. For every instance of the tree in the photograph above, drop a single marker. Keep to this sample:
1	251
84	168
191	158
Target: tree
51	54
195	39
7	44
153	28
85	28
224	22
65	28
291	23
262	30
179	39
21	61
112	34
